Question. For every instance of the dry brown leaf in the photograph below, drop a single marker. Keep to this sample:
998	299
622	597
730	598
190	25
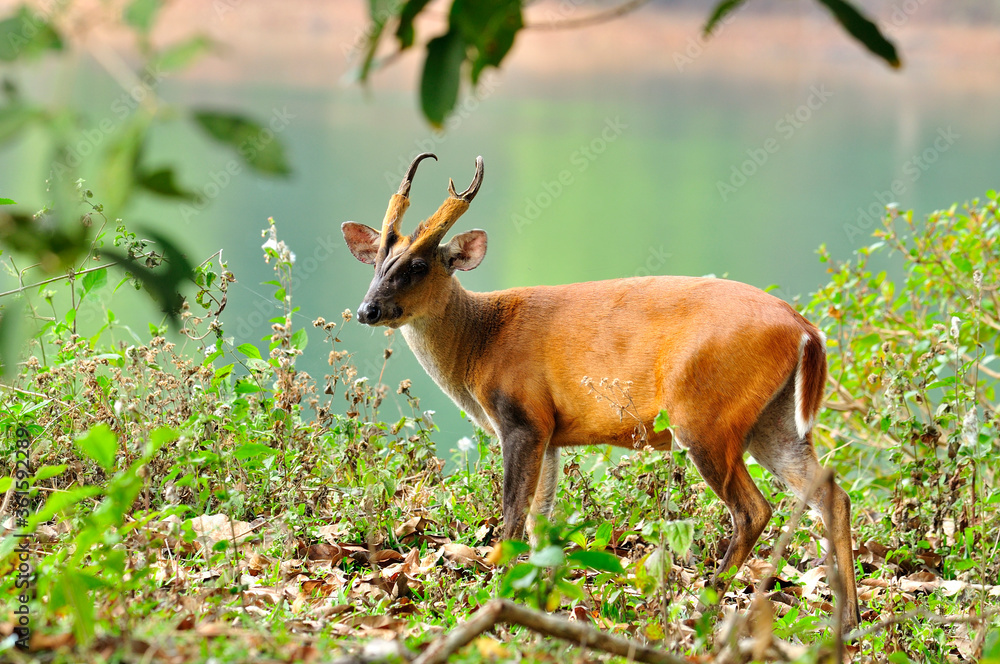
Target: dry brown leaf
920	582
333	553
812	581
257	564
465	555
415	525
212	528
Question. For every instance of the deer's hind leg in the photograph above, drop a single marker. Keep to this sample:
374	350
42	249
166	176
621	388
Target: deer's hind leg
720	463
776	444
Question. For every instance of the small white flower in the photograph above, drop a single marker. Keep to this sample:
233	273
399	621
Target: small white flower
291	256
956	322
429	418
970	427
271	244
465	444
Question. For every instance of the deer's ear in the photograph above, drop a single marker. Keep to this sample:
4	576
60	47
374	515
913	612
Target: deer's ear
363	241
465	251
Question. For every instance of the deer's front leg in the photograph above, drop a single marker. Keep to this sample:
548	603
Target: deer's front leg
523	441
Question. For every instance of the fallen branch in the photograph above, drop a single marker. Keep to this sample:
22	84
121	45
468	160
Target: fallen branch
505	611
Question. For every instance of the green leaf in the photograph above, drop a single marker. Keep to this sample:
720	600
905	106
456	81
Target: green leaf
141	14
603	535
163	183
100	444
680	535
7	201
405	32
511	549
27	34
864	30
179	56
550	556
258	147
5	483
161	436
300	339
518	578
602	561
662	422
962	263
440	80
249	350
47	472
244	386
490	27
253	451
60	501
94	281
721	11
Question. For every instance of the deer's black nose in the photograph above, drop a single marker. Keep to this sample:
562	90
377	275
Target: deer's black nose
369	313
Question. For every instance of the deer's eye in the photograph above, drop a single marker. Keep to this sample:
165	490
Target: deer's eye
418	267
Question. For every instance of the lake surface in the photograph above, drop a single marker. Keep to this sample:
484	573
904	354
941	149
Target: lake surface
587	177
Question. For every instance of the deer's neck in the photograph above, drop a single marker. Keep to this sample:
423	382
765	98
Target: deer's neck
447	343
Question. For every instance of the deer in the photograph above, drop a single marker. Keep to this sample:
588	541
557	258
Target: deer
736	369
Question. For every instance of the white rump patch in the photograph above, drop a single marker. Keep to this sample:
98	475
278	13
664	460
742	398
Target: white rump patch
802	425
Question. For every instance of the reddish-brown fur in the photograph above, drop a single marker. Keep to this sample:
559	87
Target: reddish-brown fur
734	367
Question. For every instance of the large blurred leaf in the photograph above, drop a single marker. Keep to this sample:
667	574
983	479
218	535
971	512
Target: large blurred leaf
488	25
721	11
27	34
141	13
862	29
163	182
257	146
47	240
409	12
440	81
121	163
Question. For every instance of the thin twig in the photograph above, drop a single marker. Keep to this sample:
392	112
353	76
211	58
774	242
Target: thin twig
593	19
69	275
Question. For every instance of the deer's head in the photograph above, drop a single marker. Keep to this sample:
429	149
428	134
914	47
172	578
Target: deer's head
412	272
